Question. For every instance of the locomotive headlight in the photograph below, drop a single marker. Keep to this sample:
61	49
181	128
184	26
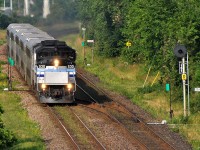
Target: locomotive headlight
56	62
69	86
43	86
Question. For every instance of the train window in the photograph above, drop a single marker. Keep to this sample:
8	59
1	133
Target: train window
12	36
7	33
63	54
21	45
22	65
43	54
28	72
17	58
28	52
17	40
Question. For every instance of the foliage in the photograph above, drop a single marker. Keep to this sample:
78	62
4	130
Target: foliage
195	104
153	27
102	20
61	10
4	21
7	138
148	89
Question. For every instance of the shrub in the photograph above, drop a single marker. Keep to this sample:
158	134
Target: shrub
148	89
7	138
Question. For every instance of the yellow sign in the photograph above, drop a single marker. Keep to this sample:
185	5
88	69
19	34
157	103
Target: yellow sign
128	44
184	76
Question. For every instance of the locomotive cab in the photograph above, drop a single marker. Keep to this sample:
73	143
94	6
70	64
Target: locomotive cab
56	73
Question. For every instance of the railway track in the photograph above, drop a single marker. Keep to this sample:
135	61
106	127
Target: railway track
58	112
59	121
137	128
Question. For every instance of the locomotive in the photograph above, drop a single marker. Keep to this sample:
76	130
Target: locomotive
46	64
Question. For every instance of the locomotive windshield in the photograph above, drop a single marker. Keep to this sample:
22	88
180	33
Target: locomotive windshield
47	56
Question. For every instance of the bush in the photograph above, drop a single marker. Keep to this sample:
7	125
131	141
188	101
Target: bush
148	89
195	105
7	138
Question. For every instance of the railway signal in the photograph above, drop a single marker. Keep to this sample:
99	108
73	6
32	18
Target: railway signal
11	63
168	89
180	51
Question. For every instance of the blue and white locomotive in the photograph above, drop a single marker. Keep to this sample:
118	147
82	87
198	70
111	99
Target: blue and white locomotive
47	65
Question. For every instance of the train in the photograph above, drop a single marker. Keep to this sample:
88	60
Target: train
46	64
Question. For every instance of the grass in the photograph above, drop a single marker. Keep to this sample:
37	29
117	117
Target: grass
2	37
117	75
16	120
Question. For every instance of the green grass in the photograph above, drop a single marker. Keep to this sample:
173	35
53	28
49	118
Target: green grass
117	75
2	37
16	120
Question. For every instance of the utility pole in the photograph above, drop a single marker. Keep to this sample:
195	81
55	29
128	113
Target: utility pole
188	83
26	7
11	5
83	44
4	5
184	91
46	9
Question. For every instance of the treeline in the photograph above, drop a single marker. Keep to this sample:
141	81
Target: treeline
154	27
60	11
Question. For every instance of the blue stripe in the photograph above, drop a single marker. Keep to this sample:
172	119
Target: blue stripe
71	75
40	75
55	70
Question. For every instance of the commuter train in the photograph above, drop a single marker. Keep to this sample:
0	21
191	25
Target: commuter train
47	65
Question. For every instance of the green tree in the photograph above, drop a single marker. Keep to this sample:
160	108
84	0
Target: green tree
4	21
103	20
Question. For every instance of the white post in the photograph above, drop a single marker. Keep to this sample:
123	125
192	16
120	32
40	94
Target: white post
188	82
4	5
184	93
11	5
46	9
26	7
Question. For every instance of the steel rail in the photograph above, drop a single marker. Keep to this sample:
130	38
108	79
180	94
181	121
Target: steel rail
91	133
62	125
143	123
113	118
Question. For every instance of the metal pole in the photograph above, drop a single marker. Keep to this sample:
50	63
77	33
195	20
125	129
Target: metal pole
184	94
171	111
84	45
93	53
188	85
4	5
11	5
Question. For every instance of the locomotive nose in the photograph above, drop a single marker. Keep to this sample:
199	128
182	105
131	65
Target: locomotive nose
57	93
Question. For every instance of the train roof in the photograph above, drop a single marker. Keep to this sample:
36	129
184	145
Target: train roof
32	42
28	34
13	28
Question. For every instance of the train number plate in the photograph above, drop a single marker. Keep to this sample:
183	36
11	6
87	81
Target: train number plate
70	66
41	66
